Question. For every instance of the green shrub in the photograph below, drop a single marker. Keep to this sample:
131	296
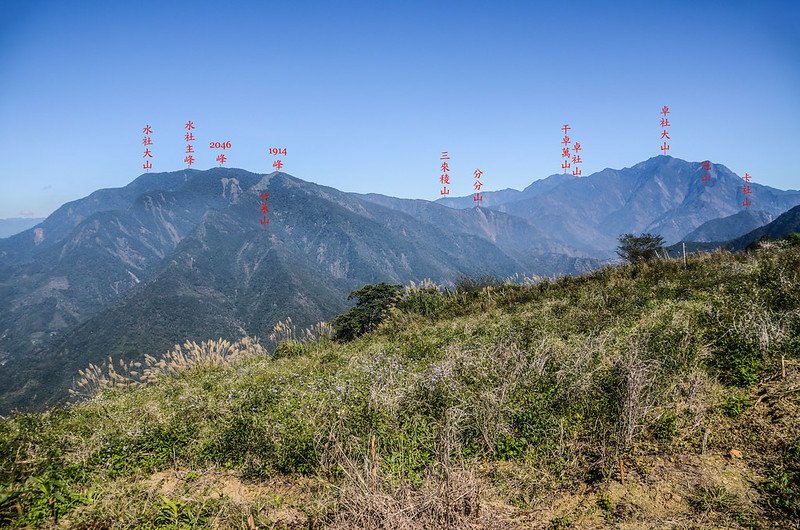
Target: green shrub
737	359
534	421
732	406
407	451
176	514
296	451
425	302
290	348
782	489
560	523
665	429
260	444
372	306
605	503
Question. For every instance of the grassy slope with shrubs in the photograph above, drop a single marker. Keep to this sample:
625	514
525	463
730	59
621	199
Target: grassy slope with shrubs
633	397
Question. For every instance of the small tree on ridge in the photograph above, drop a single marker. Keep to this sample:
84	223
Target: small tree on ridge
637	249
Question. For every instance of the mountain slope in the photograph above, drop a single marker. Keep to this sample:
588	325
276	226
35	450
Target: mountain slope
192	261
15	225
60	223
664	195
582	402
178	255
496	198
70	275
513	234
785	224
730	227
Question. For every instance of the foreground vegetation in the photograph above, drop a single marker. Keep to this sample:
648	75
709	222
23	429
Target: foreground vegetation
643	396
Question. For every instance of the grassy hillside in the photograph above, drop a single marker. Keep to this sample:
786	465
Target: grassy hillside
632	397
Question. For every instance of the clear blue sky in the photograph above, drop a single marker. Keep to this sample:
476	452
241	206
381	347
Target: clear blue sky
365	95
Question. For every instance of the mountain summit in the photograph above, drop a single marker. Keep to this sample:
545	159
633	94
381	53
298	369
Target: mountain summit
663	195
176	256
182	256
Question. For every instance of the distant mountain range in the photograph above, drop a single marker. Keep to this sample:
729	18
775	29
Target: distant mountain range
730	227
493	199
784	225
15	225
177	256
182	256
662	195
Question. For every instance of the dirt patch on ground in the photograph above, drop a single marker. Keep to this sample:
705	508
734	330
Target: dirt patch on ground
273	504
716	489
721	488
698	491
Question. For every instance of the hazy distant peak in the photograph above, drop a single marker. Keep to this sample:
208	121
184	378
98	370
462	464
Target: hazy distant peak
548	182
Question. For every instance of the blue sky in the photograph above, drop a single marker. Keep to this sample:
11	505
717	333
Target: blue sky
365	95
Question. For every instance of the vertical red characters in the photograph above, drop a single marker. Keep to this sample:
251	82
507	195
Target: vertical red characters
706	178
565	154
478	185
277	151
664	129
189	137
220	145
264	207
746	191
278	165
147	142
444	179
576	159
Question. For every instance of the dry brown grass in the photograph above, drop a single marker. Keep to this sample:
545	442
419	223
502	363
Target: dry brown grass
286	330
189	355
451	496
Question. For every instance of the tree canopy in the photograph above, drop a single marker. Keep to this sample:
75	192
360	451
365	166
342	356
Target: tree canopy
372	303
638	249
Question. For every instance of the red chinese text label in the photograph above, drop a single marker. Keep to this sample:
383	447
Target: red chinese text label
264	207
665	132
189	137
747	190
147	141
444	168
